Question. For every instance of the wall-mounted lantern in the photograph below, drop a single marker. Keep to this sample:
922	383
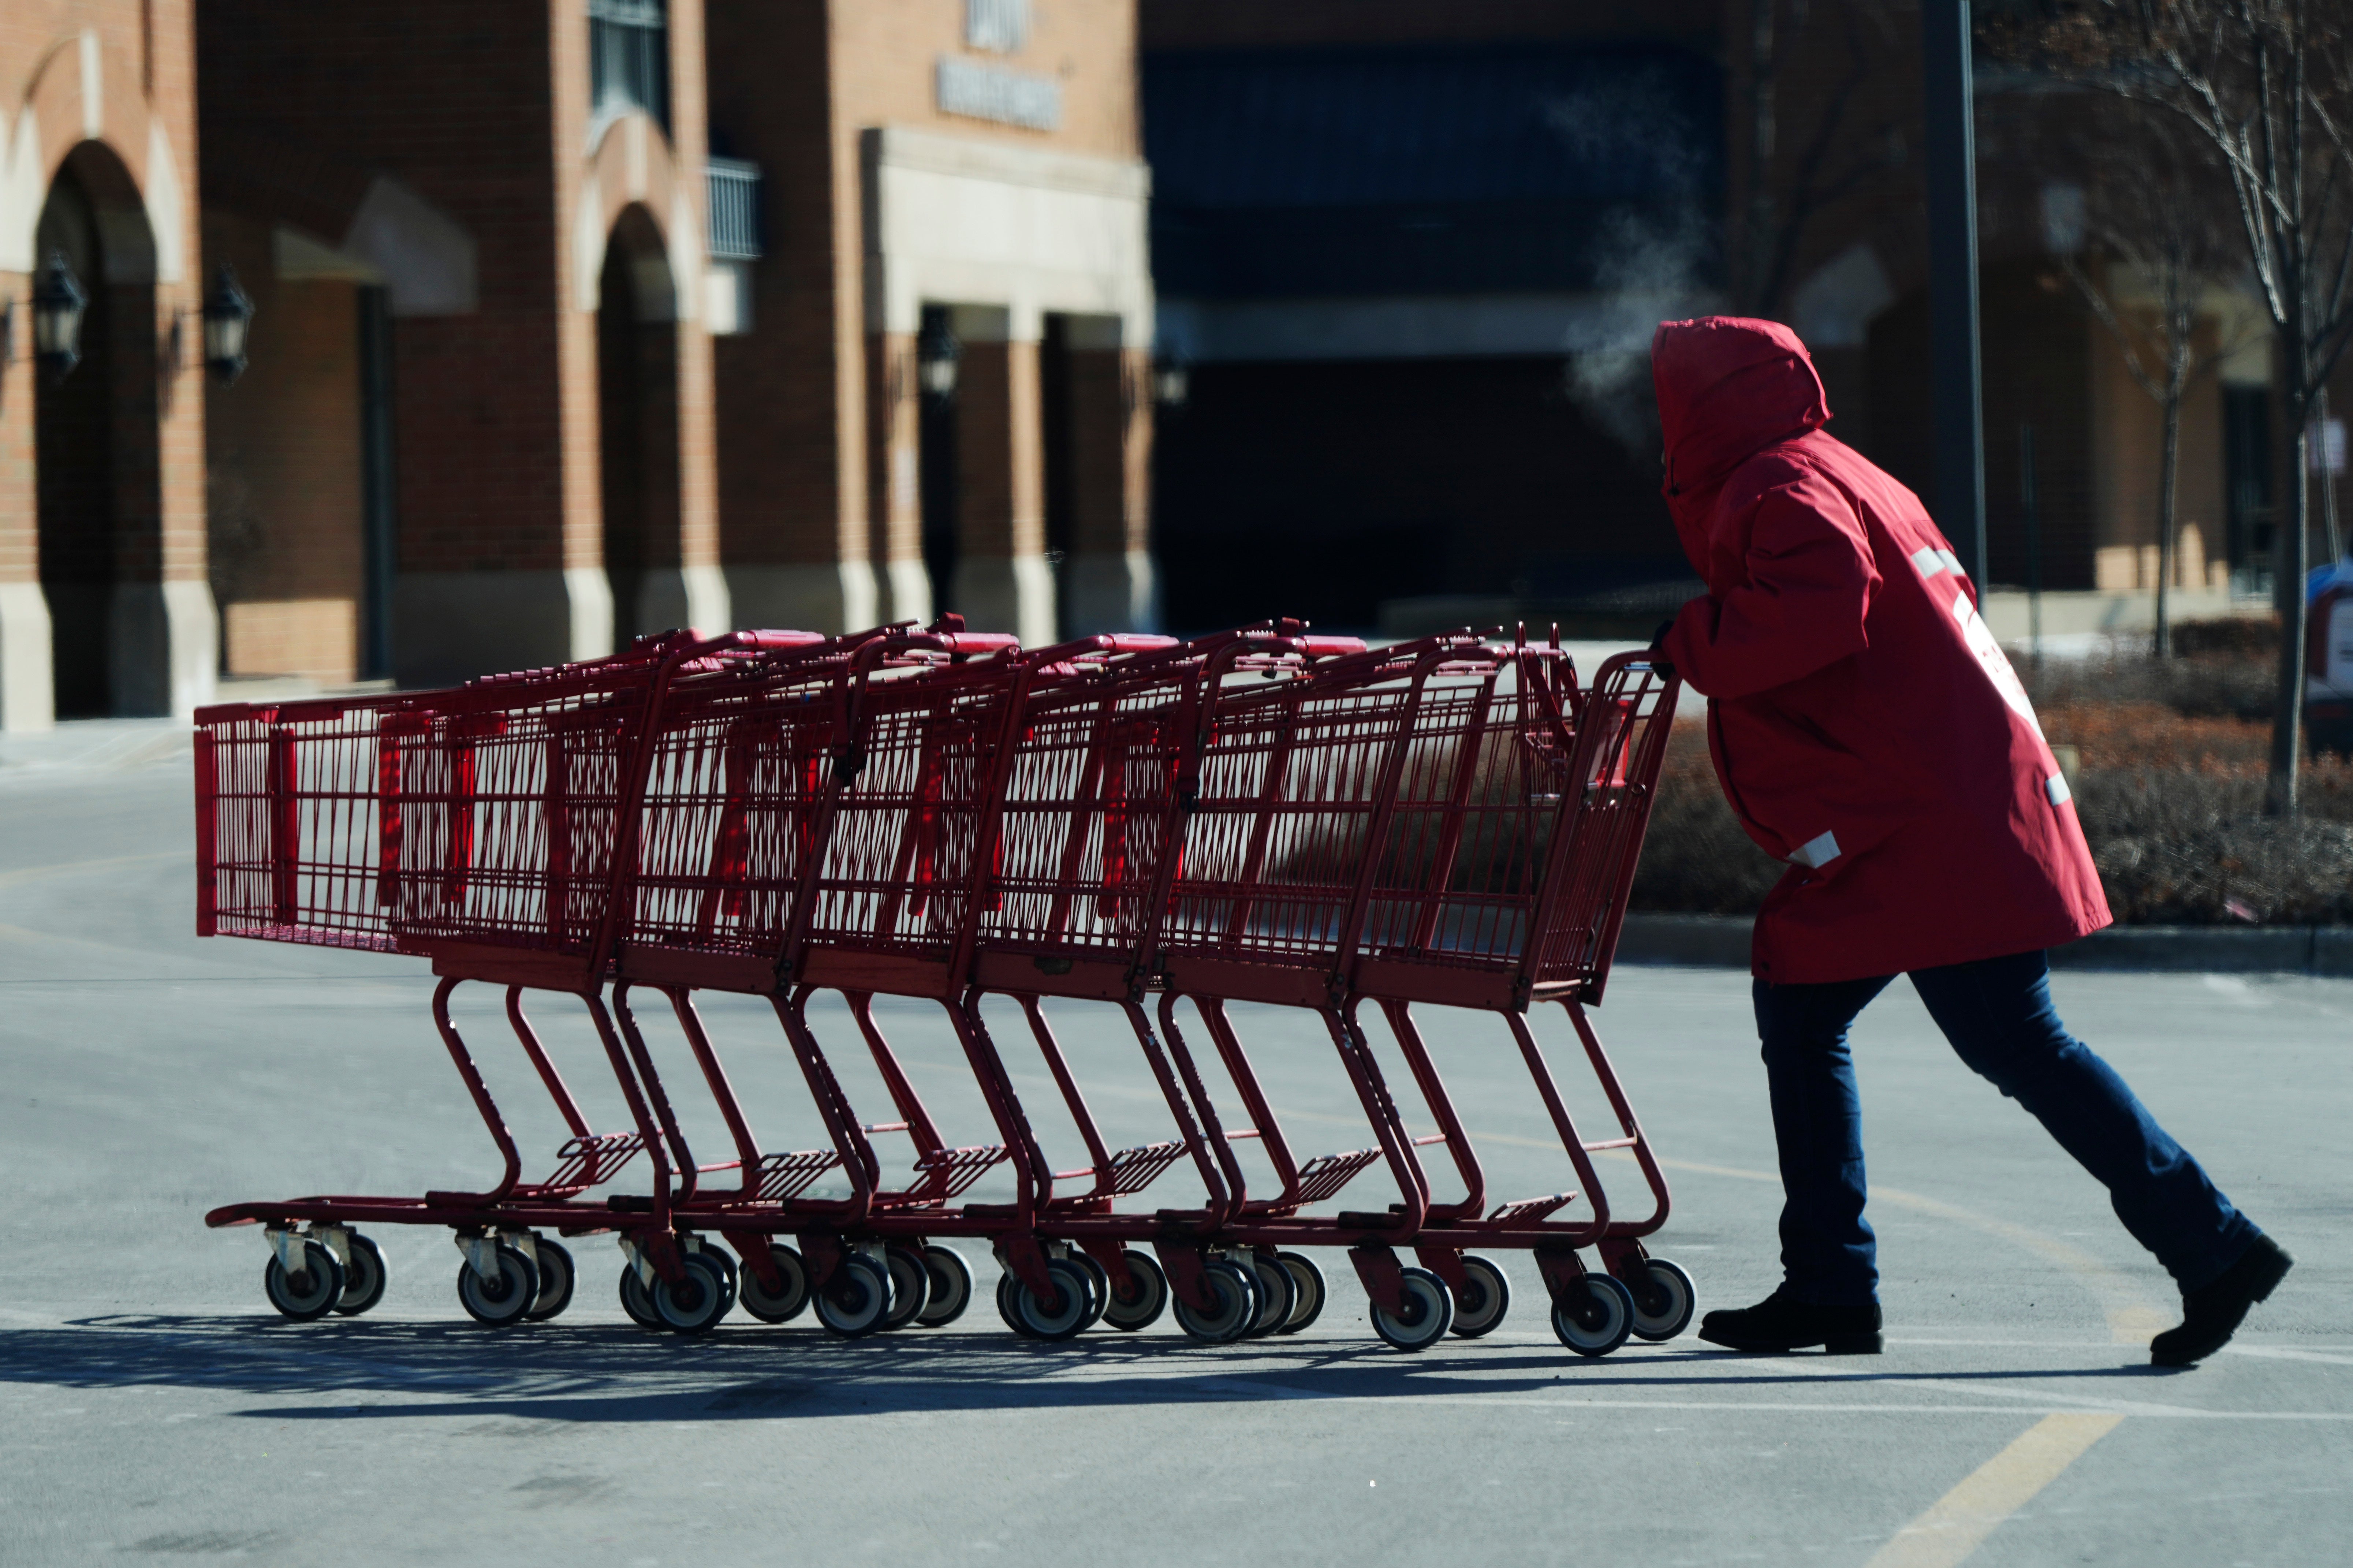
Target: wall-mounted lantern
59	304
936	355
227	313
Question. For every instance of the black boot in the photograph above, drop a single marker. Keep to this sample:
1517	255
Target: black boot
1782	1322
2213	1313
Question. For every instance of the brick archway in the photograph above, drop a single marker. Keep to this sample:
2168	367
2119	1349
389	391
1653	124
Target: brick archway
85	134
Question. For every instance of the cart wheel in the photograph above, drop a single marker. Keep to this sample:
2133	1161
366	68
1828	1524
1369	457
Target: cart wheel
693	1303
1307	1288
363	1278
910	1286
504	1300
1485	1297
635	1301
1663	1301
786	1303
557	1278
310	1292
1066	1314
722	1259
1235	1289
1428	1313
951	1291
1097	1287
1137	1300
1278	1295
1599	1321
857	1298
1005	1289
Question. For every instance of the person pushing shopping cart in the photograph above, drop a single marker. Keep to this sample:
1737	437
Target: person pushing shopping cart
1867	730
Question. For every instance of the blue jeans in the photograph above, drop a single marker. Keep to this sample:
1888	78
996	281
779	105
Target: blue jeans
1997	1015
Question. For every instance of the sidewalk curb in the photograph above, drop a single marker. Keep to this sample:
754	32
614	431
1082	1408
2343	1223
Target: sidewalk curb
1721	942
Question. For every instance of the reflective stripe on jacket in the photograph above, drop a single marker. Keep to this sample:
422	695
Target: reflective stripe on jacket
1863	722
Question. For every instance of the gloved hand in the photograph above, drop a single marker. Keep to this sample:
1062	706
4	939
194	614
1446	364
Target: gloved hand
1658	648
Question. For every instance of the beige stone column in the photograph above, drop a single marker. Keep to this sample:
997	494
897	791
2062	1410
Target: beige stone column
27	692
894	484
1111	585
1003	583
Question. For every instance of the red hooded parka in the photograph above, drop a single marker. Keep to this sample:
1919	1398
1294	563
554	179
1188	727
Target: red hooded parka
1865	723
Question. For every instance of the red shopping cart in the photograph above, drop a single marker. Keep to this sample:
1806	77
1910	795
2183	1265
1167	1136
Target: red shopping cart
482	828
1450	823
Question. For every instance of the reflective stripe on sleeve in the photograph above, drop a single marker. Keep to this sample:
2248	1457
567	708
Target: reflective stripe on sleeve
2055	786
1926	561
1951	561
1816	851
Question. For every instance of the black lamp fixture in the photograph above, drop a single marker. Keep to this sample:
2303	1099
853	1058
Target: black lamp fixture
58	303
227	313
936	353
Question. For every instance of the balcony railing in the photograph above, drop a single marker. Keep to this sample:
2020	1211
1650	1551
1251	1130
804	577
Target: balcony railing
734	189
628	56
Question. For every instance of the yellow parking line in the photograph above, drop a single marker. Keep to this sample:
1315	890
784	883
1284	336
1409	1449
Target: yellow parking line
1960	1521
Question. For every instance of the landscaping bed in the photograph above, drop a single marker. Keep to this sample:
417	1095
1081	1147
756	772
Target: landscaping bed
2169	783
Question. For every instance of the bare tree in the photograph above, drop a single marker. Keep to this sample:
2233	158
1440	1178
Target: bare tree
2153	215
2268	85
1845	148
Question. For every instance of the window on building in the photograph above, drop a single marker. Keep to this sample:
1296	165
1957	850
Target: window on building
1001	27
735	187
628	57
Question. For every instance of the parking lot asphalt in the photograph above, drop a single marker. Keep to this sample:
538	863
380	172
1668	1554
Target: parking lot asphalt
151	1406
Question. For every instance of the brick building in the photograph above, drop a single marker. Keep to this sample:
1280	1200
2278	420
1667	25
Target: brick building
476	433
953	192
103	601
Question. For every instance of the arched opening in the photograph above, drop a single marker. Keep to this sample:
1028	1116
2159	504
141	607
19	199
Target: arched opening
98	481
637	409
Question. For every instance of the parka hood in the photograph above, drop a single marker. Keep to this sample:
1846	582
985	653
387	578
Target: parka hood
1729	387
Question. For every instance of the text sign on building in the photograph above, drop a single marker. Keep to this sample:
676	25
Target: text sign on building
1000	26
991	93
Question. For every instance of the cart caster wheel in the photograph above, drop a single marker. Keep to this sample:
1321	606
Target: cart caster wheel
911	1287
1005	1286
857	1299
1235	1291
786	1303
556	1278
363	1278
1067	1314
504	1300
951	1291
1097	1287
1600	1323
1428	1313
1663	1301
693	1303
310	1292
1485	1297
1136	1298
1278	1295
635	1300
722	1259
1307	1291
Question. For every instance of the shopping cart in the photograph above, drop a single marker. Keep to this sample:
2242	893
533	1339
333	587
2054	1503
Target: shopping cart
1450	823
925	825
482	828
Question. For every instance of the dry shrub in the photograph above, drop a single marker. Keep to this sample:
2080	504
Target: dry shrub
1697	859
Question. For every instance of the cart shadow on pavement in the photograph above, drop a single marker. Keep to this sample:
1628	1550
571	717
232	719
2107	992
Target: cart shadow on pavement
600	1374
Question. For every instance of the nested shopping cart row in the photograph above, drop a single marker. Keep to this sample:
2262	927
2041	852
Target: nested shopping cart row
1156	827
